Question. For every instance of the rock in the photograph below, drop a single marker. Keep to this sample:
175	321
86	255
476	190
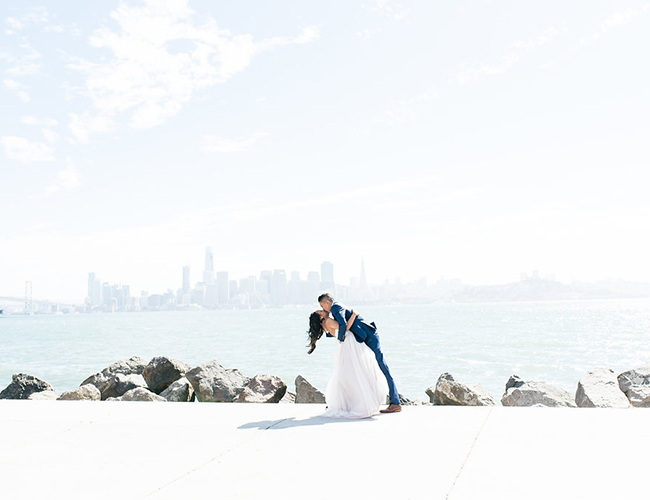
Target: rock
404	401
120	384
86	392
179	391
214	383
263	389
162	371
637	376
514	381
530	393
134	365
44	396
288	398
141	394
307	393
600	389
448	391
639	396
22	386
635	384
407	402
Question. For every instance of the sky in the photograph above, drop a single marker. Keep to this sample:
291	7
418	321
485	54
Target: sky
468	139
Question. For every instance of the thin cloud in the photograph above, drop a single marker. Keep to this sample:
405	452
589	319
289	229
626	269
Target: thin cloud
35	16
32	120
614	21
147	82
507	61
19	88
66	179
368	33
26	63
214	144
388	8
23	150
407	109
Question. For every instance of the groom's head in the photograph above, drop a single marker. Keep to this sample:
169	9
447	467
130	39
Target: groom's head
326	301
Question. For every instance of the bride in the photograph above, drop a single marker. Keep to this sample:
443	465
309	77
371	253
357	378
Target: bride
358	387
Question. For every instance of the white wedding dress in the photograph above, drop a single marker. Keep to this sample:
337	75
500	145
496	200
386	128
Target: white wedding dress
358	387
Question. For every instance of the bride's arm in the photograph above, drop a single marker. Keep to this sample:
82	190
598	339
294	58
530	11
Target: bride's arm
351	320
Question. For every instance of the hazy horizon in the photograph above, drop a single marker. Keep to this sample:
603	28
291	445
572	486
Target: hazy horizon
473	140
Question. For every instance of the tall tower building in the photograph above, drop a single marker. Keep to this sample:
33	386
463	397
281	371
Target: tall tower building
208	271
223	287
363	282
279	289
186	279
91	288
94	290
327	276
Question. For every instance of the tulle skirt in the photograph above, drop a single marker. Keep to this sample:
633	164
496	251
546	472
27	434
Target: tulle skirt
358	387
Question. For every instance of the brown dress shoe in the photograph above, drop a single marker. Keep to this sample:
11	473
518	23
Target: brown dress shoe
392	409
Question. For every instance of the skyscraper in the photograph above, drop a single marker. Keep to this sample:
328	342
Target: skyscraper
279	289
208	271
327	276
94	290
223	287
186	279
363	282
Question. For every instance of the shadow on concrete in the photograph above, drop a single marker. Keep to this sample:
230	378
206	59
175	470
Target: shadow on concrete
289	423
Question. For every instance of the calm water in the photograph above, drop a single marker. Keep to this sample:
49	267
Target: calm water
478	343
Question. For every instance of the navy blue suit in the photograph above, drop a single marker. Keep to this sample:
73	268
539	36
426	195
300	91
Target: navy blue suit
365	332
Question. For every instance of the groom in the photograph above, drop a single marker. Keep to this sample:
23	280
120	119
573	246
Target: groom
363	332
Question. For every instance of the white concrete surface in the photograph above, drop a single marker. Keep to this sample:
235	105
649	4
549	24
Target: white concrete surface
122	450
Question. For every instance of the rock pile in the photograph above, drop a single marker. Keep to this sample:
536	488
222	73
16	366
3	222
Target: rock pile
166	379
161	379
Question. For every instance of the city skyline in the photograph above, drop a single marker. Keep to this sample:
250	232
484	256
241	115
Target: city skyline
472	140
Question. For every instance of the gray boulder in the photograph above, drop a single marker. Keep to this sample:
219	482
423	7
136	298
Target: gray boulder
44	396
179	391
599	389
162	371
214	383
530	393
404	401
22	386
120	384
86	392
307	393
288	398
637	376
141	394
639	396
635	384
448	391
101	380
263	389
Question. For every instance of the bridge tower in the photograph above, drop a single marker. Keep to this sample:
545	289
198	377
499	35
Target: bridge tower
29	303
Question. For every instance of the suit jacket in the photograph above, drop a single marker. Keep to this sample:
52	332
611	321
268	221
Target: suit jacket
360	328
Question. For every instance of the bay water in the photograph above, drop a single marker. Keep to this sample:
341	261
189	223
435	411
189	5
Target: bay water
484	343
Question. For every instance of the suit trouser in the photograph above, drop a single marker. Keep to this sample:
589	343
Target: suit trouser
372	341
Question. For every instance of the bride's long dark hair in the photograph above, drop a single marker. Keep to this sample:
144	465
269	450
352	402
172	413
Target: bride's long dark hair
315	331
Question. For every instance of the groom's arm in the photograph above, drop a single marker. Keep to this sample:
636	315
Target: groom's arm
338	313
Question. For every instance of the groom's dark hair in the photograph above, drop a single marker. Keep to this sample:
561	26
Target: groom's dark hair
325	296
